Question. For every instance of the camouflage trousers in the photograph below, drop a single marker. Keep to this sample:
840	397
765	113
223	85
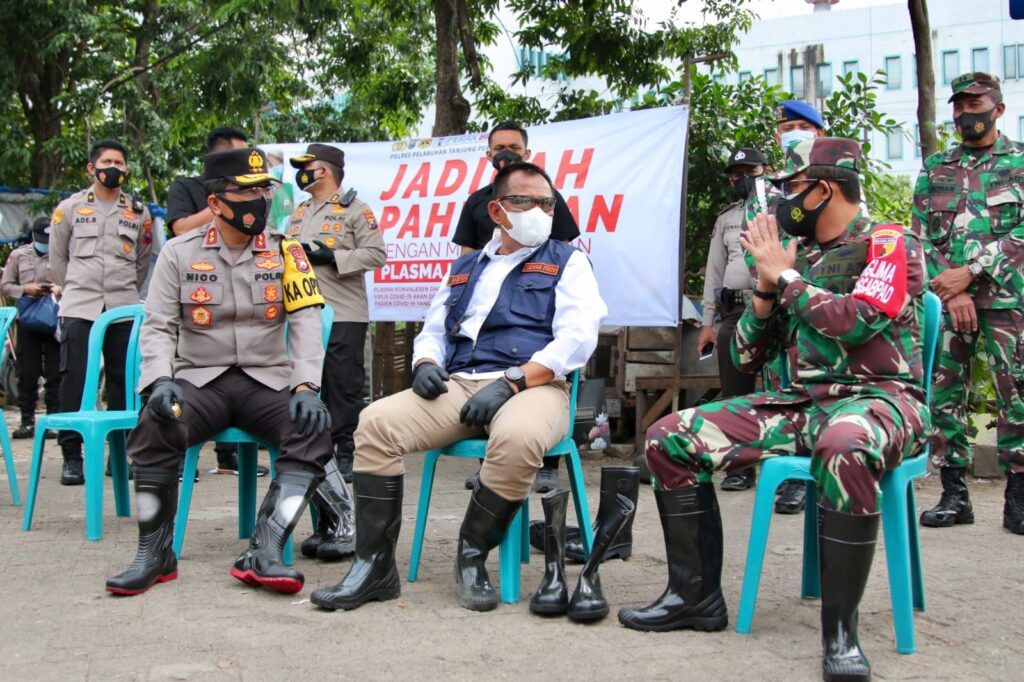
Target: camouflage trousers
851	445
951	386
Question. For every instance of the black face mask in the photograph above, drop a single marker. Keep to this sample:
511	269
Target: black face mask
249	217
743	187
305	178
796	220
973	127
504	158
112	177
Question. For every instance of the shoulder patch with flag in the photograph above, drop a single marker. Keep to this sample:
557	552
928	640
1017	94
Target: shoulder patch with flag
883	281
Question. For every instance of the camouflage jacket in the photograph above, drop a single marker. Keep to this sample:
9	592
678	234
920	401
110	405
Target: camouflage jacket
968	207
837	344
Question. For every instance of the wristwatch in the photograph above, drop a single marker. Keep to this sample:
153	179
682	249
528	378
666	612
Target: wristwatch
787	277
974	267
516	375
311	386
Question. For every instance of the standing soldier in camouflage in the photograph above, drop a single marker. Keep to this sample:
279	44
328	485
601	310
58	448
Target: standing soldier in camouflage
343	242
27	274
100	244
847	313
967	212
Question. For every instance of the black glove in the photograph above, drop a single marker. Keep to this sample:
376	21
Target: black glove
309	413
480	409
162	398
428	380
322	255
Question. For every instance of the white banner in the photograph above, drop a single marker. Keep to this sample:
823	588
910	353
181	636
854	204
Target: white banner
620	174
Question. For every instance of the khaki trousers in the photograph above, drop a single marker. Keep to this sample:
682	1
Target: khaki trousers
518	437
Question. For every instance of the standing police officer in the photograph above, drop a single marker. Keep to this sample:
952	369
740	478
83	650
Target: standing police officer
342	240
968	213
100	244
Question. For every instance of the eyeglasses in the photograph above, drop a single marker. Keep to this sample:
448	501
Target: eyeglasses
753	172
788	189
251	192
525	203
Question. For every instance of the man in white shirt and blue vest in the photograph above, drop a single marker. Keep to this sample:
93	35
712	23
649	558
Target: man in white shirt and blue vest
512	320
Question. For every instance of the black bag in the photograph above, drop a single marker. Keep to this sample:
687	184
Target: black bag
38	314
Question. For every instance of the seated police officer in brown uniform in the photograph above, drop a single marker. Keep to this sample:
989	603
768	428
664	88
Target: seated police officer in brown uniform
214	355
512	320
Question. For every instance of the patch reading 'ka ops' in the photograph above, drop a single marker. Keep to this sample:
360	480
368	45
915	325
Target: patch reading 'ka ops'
201	316
456	280
543	268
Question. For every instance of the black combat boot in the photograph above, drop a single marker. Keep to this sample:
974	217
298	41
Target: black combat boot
156	502
693	599
954	504
741	479
588	602
374	574
846	547
27	428
1013	504
346	460
487	518
791	497
614	481
334	501
261	564
552	597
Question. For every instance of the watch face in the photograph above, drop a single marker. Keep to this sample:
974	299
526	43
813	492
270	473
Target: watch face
514	373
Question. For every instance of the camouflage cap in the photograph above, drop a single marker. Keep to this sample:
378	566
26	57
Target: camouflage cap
836	152
974	83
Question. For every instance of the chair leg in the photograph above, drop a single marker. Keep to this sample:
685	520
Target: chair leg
764	502
524	539
12	475
93	450
579	498
33	478
896	530
119	472
247	453
188	482
509	555
810	585
916	569
422	510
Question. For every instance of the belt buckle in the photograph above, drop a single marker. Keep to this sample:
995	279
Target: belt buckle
747	295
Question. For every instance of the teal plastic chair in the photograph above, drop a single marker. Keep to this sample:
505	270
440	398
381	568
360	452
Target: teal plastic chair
899	520
248	455
97	427
7	315
515	547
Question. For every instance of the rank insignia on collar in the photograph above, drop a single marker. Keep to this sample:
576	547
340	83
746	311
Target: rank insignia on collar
200	295
260	242
334	199
90	197
201	316
211	236
299	212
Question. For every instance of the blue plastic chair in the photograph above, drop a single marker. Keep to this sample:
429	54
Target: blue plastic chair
7	315
899	516
515	547
97	426
248	455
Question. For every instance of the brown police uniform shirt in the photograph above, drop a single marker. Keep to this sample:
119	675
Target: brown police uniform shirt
207	312
24	266
352	232
99	254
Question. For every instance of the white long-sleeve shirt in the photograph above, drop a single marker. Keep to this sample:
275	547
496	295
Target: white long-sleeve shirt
579	310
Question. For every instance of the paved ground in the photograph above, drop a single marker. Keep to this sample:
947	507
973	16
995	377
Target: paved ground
58	623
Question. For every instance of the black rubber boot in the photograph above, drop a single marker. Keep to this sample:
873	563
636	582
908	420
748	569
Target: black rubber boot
954	505
614	481
374	574
742	479
334	500
261	565
693	599
791	497
345	462
1013	504
487	518
552	597
156	501
846	547
27	428
588	602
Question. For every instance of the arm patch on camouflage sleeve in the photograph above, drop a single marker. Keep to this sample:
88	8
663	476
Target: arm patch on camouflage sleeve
883	281
301	290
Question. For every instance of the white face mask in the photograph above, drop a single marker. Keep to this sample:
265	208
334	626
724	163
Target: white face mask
792	136
529	228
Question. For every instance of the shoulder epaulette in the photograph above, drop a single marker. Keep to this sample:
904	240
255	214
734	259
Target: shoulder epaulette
349	197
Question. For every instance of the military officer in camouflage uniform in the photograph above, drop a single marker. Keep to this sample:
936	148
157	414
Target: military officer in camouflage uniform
214	355
100	245
847	313
343	242
967	212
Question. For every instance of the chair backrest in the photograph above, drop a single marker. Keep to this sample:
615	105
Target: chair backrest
7	315
932	317
90	394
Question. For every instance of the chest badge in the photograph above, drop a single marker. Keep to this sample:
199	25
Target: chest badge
272	312
202	266
128	215
330	241
268	263
200	295
127	247
271	293
201	316
85	211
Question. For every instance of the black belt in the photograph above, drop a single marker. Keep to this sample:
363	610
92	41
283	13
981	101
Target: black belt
733	298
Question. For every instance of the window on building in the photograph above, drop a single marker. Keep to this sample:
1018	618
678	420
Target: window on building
894	73
950	65
1020	61
796	82
979	59
744	76
824	80
851	66
1020	127
1009	62
771	76
894	145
